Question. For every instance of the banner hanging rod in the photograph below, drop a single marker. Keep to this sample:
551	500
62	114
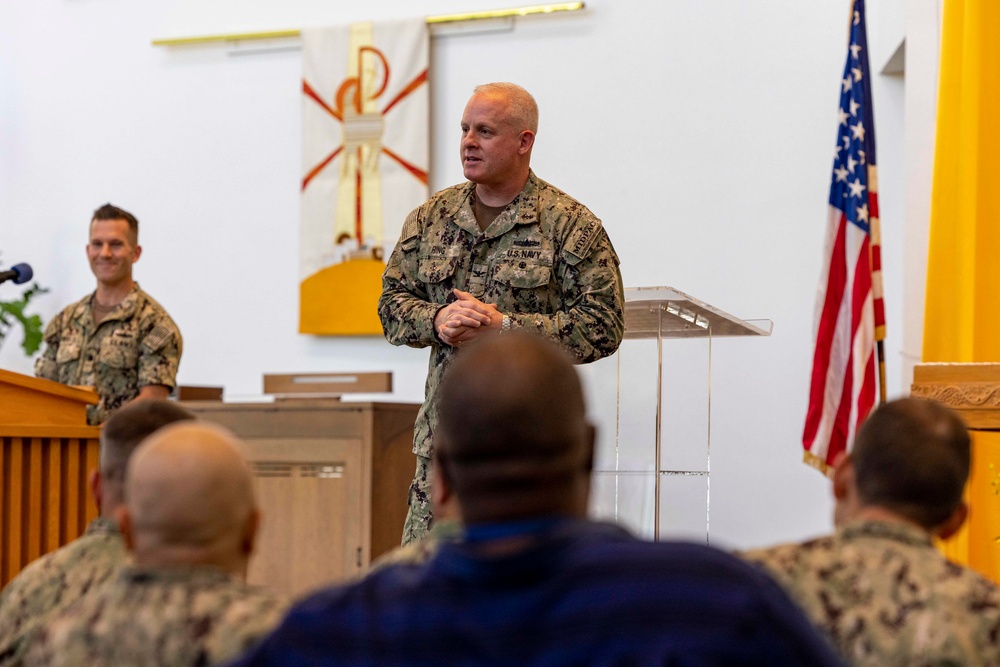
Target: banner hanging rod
431	20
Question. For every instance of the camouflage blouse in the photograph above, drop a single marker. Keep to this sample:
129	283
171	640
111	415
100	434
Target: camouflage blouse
136	345
886	596
55	581
162	616
545	261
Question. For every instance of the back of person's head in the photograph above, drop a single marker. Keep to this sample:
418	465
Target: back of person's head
123	432
912	456
111	212
512	439
189	499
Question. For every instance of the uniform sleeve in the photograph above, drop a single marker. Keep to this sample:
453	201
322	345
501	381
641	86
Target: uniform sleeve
245	621
785	633
406	313
590	320
13	618
45	365
159	353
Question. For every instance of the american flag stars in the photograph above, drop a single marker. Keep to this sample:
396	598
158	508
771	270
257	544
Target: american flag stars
850	314
850	182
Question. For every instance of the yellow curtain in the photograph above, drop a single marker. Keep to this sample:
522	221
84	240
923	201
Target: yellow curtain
962	314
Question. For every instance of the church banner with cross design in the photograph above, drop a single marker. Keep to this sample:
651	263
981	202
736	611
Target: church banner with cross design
365	157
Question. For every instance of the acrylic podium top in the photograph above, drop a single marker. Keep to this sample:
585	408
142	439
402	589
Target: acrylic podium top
664	312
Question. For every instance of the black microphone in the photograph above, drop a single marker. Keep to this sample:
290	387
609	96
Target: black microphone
19	273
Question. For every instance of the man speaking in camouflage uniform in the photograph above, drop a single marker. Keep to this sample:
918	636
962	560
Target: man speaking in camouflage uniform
878	587
116	339
504	251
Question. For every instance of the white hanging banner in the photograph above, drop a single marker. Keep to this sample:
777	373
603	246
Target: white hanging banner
365	158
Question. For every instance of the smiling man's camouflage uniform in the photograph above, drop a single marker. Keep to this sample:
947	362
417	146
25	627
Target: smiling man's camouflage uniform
136	345
545	261
55	581
159	616
885	596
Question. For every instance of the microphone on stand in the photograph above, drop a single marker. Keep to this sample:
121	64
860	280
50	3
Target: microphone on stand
19	273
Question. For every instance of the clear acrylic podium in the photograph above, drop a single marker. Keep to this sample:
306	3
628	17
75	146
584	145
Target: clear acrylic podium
656	472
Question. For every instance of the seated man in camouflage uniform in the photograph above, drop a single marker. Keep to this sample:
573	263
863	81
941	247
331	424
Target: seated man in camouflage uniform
57	580
878	587
190	519
504	251
116	339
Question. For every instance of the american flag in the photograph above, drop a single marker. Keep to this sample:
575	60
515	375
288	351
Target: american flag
850	315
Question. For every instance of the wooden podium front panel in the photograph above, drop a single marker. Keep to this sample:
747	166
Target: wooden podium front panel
46	452
306	538
332	480
973	391
44	496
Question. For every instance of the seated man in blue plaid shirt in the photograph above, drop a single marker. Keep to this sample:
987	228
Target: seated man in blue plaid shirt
532	581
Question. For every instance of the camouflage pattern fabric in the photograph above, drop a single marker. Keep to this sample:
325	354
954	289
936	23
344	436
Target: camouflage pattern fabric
55	581
886	596
420	511
135	346
162	616
420	551
546	262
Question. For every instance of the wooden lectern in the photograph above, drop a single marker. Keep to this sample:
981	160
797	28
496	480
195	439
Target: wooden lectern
47	452
972	390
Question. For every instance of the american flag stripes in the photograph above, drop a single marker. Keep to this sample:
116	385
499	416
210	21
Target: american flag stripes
849	311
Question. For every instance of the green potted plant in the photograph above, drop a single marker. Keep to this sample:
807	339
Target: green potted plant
12	314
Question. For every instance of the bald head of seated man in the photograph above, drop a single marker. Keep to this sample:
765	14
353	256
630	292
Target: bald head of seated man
190	501
532	581
58	579
190	519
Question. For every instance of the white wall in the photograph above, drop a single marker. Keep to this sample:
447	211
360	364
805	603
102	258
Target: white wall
923	37
700	132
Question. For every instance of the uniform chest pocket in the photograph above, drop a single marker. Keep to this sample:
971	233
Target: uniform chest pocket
522	275
119	352
69	350
436	269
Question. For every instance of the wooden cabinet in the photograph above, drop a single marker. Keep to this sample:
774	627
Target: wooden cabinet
332	479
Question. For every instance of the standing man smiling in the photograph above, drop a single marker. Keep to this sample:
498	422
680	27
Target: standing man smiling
504	251
116	339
